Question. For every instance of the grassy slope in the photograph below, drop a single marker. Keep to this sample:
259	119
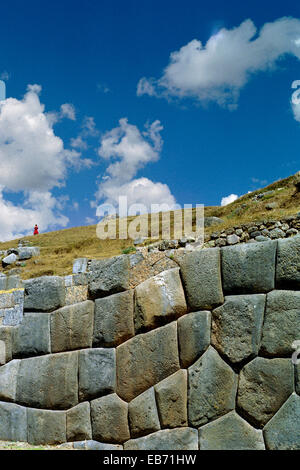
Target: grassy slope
59	248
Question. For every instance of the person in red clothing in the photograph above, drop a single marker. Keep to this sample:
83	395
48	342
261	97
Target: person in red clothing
36	230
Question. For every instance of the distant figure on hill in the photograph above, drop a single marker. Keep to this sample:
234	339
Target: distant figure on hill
36	230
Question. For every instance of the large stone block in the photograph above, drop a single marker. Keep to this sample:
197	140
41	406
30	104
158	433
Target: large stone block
171	397
237	326
113	319
72	327
32	336
194	336
249	268
167	439
97	372
13	422
2	353
282	432
143	415
264	385
230	432
288	263
282	323
11	307
46	427
44	294
145	360
95	445
6	335
201	275
212	388
49	381
108	276
76	294
8	380
159	300
110	419
79	422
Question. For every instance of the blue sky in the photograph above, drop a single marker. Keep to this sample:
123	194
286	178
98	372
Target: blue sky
223	125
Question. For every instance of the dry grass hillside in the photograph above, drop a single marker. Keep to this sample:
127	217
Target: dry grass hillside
59	248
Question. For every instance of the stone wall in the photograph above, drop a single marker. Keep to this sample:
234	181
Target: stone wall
196	357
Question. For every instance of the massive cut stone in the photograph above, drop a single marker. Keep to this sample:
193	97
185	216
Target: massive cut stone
297	374
167	439
230	432
158	300
201	274
13	422
46	427
97	372
143	416
171	397
249	268
45	293
282	323
110	419
79	423
212	388
11	307
282	432
193	336
32	336
264	385
145	360
6	335
8	380
49	381
113	319
237	326
108	276
72	327
288	263
95	445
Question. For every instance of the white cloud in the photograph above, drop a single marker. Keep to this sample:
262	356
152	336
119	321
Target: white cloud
218	70
229	199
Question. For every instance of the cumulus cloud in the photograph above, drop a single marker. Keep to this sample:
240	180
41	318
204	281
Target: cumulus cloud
229	199
218	70
129	150
295	100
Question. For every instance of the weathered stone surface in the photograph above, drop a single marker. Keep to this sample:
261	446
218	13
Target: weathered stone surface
28	252
237	326
201	274
2	353
97	372
95	445
264	385
79	422
11	307
8	380
282	432
80	265
46	427
44	293
154	353
167	439
72	327
282	323
49	381
143	415
113	319
212	388
32	336
159	300
13	422
230	432
6	333
10	259
108	276
110	419
297	374
171	397
249	268
76	294
193	336
288	263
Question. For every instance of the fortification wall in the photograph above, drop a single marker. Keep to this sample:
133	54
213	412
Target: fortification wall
196	357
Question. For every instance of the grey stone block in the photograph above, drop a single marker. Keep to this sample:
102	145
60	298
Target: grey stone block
230	432
8	380
45	293
143	415
79	422
80	265
2	353
237	326
32	336
212	388
13	422
72	327
171	397
193	336
97	372
288	263
95	445
249	268
110	419
167	439
6	335
14	282
108	276
46	427
113	319
201	275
